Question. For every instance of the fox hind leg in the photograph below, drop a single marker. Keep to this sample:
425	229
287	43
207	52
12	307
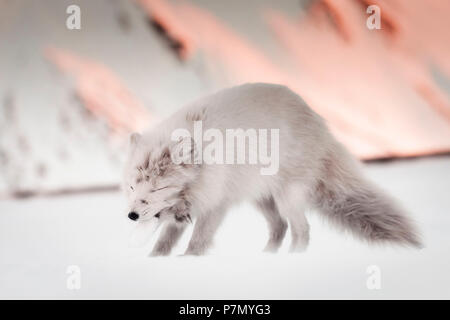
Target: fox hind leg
299	231
292	205
276	223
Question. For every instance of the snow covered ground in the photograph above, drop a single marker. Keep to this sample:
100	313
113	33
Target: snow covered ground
40	238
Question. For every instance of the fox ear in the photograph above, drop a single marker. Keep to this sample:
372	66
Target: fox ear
134	139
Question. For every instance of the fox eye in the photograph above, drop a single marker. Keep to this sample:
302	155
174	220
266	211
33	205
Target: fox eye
157	215
144	202
131	187
159	189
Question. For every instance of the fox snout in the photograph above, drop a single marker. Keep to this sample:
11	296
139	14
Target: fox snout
133	216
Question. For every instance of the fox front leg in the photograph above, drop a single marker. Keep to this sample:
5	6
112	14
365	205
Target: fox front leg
205	228
173	229
168	238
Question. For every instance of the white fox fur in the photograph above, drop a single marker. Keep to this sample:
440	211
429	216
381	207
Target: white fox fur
315	172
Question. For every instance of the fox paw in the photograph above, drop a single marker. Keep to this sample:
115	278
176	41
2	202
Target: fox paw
160	251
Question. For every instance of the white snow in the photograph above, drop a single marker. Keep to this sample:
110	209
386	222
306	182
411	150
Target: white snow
40	238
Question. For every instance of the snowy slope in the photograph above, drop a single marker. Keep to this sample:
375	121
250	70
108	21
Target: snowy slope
40	238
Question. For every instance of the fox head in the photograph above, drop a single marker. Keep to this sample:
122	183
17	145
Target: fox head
154	184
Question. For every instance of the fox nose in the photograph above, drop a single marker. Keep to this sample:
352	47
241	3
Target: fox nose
133	215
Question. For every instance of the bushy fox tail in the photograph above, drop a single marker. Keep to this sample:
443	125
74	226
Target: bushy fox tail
348	200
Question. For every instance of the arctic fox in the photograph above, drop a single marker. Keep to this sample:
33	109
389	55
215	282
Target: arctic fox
315	172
